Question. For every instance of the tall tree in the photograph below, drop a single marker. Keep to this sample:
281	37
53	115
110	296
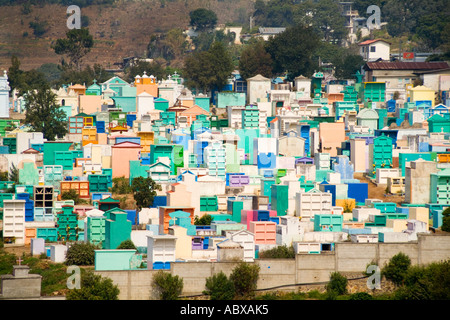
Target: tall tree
430	29
347	67
292	51
198	71
144	192
346	61
203	41
24	81
14	73
208	70
324	16
44	115
85	76
412	16
220	58
51	71
255	60
275	13
177	42
329	21
170	46
203	19
76	45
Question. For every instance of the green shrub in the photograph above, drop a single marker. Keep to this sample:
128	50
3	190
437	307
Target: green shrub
268	296
166	286
121	185
294	296
205	220
331	295
245	277
219	287
397	268
71	195
279	252
337	285
81	254
39	28
361	296
315	294
446	220
54	275
127	244
94	287
7	260
430	282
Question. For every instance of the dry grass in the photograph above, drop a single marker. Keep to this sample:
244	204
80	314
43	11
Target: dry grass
119	31
378	192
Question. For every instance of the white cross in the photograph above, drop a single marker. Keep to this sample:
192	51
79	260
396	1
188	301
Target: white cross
19	260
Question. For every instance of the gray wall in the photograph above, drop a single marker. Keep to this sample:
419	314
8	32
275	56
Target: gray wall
305	268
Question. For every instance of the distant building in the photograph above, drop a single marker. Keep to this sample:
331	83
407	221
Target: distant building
399	76
373	50
349	14
266	33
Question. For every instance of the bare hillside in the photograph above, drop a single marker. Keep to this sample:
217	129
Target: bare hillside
119	31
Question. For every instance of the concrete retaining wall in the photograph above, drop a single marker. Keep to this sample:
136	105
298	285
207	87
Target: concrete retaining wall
315	267
305	268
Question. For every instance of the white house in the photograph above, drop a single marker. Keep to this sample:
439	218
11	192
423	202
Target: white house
372	50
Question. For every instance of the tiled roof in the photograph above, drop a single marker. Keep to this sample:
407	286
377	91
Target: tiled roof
364	43
271	30
397	65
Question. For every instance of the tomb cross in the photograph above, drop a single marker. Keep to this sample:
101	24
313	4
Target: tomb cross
19	261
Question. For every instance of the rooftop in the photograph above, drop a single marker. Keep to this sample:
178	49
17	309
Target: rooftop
364	43
398	65
271	30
